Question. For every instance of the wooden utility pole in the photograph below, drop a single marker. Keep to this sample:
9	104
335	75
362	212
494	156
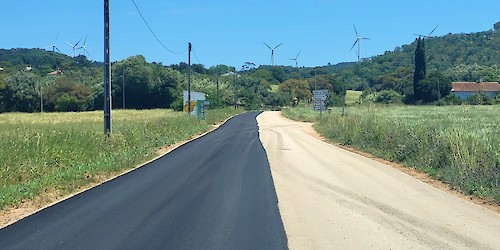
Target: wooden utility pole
107	72
343	100
189	78
235	96
41	96
217	72
123	86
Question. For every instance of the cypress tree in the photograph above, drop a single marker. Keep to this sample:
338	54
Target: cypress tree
420	68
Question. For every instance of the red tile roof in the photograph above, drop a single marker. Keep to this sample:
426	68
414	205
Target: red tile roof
475	87
57	72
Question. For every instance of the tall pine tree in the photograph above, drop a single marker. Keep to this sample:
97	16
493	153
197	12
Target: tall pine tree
420	68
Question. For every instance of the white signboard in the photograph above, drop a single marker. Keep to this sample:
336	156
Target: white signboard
320	92
320	97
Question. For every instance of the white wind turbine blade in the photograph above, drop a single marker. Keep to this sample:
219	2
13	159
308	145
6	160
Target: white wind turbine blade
86	51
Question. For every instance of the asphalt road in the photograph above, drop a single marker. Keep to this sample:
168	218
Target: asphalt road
216	192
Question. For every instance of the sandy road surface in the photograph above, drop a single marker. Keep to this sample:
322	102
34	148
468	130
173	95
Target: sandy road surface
330	198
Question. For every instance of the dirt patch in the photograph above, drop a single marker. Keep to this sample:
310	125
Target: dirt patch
424	177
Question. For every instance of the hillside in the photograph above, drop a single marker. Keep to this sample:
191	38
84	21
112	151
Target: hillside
464	57
42	61
453	57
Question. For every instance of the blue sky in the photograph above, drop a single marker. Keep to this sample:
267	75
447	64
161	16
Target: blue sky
233	32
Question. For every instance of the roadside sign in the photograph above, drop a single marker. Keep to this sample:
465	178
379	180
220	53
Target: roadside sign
320	92
320	97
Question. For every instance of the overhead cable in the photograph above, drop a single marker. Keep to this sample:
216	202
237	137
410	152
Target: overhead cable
157	39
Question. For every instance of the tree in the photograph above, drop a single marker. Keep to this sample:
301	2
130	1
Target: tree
20	93
279	99
252	92
497	26
420	68
279	74
433	87
66	95
298	89
67	103
265	74
138	83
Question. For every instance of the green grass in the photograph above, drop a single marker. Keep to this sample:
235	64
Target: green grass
65	151
459	145
352	97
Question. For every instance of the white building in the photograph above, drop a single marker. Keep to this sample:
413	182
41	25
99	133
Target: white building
466	89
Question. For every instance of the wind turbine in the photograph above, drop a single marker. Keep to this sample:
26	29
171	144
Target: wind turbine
429	33
358	41
272	51
84	47
53	46
74	47
296	59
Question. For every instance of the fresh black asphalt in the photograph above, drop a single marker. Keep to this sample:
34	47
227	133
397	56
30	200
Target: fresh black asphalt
213	193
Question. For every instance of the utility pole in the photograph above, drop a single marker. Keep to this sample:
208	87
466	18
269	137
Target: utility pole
439	91
107	72
41	97
235	96
316	88
189	78
343	100
123	85
217	72
315	80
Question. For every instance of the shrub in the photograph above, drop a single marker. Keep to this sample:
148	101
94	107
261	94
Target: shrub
388	97
479	99
67	103
452	99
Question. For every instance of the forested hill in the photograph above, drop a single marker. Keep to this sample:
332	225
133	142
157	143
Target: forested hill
453	57
42	61
464	57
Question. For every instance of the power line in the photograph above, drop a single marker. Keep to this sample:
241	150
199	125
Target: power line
194	52
157	39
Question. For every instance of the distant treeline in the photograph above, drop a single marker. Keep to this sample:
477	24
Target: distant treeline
77	83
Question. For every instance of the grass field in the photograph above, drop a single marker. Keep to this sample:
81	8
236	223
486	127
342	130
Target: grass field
459	145
352	97
63	152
